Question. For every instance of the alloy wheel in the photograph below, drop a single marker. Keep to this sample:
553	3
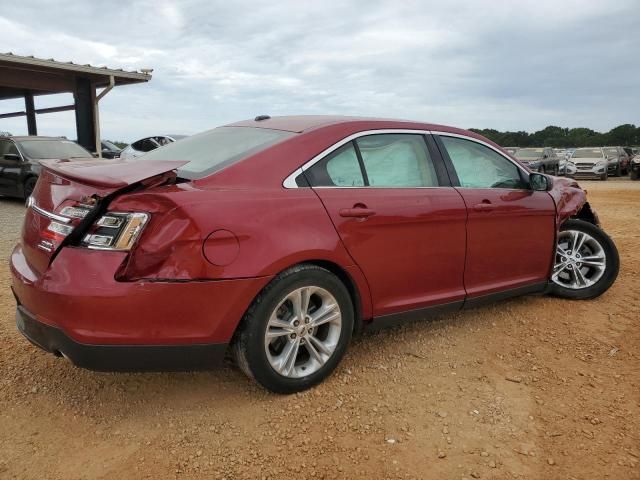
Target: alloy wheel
303	332
580	260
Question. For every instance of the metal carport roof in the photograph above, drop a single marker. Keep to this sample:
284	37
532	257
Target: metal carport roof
27	77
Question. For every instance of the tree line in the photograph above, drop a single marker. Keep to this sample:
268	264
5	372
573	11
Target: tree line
552	136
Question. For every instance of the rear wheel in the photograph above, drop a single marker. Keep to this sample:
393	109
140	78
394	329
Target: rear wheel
296	331
604	176
586	262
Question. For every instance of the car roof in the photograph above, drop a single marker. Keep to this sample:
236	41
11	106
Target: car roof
34	137
303	123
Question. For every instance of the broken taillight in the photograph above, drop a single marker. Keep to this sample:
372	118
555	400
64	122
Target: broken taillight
112	231
115	231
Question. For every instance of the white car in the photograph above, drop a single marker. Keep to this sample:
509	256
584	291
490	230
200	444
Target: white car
587	163
144	145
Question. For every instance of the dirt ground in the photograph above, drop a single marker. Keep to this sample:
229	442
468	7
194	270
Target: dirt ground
535	387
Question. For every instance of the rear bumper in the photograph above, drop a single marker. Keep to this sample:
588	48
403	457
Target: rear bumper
80	307
118	357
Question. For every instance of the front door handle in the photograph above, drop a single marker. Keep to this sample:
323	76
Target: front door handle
357	212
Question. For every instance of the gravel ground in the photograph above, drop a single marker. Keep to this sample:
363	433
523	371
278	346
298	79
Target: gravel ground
533	387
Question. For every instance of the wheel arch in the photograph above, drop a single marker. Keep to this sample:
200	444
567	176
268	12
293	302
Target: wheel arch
587	214
25	179
356	294
352	287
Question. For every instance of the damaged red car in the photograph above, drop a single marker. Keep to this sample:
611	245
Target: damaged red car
278	239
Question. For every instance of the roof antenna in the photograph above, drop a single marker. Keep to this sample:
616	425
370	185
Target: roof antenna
262	117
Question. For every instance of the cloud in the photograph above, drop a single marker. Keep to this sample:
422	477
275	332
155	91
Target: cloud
494	64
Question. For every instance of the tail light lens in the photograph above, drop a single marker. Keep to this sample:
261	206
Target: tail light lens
115	231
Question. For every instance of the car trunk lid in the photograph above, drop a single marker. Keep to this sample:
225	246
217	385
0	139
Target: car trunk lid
90	185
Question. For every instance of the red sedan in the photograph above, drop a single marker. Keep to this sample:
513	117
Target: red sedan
282	237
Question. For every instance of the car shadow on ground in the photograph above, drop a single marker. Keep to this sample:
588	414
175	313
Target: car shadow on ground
227	385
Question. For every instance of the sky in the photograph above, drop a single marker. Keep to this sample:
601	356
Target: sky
508	65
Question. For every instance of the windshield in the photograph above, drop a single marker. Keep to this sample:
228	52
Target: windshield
41	149
210	151
612	152
529	153
587	153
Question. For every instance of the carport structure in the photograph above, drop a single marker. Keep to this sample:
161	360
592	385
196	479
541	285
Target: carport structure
27	77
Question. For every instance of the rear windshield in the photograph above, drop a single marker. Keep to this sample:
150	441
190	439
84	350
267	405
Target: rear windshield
529	153
41	149
587	153
210	151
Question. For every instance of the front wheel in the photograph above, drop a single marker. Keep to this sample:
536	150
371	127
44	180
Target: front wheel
586	262
296	331
28	187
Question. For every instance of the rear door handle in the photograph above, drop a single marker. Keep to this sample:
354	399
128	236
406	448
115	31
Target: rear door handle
357	212
485	206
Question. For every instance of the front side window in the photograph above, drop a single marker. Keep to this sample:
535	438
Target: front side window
478	166
397	160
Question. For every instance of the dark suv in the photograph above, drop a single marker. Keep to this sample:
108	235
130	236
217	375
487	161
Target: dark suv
20	161
617	161
542	159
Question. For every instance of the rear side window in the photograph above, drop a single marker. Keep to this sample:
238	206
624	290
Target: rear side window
385	160
397	160
210	151
145	145
478	166
7	146
339	169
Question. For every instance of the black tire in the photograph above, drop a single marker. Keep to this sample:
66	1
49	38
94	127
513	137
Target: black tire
618	172
634	174
29	185
604	176
248	346
612	263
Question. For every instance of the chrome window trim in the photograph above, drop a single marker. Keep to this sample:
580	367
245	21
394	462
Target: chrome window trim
290	181
58	218
476	140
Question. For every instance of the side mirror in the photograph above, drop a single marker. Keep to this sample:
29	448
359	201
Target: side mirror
12	156
539	182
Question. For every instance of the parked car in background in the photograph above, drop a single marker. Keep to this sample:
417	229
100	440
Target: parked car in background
511	150
266	235
562	155
617	161
147	144
110	150
20	160
542	159
634	165
588	163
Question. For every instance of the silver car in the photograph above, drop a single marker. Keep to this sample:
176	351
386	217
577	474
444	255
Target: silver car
144	145
587	163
